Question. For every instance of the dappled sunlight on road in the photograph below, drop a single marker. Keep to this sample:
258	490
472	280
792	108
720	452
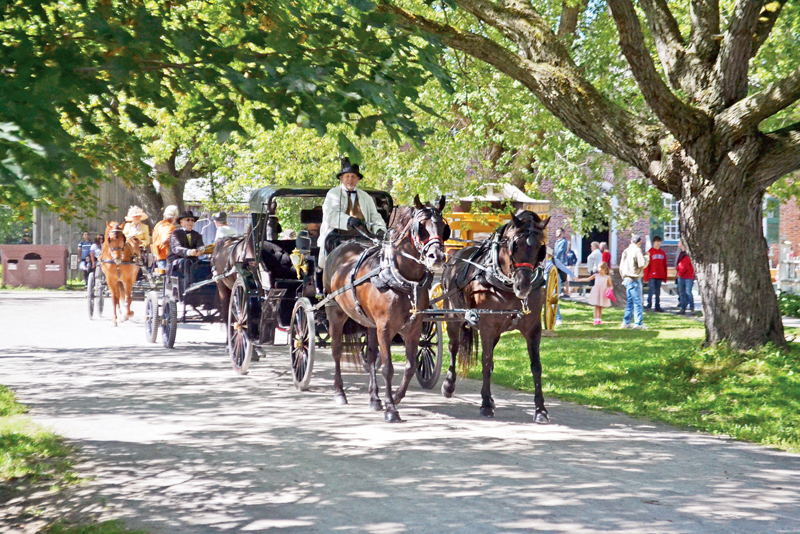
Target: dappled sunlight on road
176	442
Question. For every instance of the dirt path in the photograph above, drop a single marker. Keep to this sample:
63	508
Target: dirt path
178	443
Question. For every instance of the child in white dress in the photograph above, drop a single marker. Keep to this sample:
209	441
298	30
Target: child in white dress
597	298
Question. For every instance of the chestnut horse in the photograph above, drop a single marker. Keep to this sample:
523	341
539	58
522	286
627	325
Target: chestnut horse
117	260
385	303
502	273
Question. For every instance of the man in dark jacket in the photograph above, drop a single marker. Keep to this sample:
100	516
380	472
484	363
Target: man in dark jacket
185	245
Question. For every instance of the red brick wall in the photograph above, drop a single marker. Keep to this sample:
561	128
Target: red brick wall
790	229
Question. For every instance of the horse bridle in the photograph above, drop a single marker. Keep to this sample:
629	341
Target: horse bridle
413	228
511	243
114	249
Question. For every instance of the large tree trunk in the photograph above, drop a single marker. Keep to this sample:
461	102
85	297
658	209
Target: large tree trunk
722	229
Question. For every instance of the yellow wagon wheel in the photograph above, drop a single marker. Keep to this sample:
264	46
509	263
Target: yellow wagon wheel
551	299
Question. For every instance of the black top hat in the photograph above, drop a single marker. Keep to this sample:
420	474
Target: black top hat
187	215
349	167
220	217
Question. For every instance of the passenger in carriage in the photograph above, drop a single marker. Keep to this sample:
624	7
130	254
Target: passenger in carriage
185	246
346	208
162	231
134	227
223	230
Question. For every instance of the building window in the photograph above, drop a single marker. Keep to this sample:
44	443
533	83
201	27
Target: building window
672	230
772	220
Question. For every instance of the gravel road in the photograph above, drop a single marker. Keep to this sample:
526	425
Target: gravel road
176	442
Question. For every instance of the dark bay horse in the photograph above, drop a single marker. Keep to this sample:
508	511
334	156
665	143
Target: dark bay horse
510	278
117	261
385	304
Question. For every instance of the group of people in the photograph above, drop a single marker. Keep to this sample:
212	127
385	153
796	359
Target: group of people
636	268
174	243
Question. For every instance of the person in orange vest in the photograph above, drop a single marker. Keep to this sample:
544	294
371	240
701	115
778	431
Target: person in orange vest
655	274
161	234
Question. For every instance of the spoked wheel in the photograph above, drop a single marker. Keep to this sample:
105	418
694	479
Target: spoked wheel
90	294
302	339
151	318
169	322
551	299
429	355
98	295
240	345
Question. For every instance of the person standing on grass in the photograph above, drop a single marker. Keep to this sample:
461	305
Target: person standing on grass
560	253
606	255
594	260
631	267
84	249
685	279
655	274
598	298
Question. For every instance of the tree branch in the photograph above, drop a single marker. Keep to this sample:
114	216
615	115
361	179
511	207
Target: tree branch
736	51
766	21
558	84
705	26
667	36
781	156
568	22
747	113
684	122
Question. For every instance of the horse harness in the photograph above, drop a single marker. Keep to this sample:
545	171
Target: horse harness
492	275
387	275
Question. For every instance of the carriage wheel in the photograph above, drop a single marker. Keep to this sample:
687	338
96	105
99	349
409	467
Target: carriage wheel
151	318
240	345
551	299
429	355
98	305
302	338
169	322
90	294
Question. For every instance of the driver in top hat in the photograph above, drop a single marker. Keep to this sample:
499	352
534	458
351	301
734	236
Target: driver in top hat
346	208
185	245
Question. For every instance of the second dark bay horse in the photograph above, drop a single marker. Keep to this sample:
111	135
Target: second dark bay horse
504	274
387	302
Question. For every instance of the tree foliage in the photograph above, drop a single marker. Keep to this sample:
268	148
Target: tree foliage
78	73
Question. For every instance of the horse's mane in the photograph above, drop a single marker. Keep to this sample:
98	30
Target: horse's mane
401	217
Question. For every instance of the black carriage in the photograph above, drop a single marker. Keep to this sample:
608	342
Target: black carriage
179	300
265	298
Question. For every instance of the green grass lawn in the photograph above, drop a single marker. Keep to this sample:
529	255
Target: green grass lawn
662	373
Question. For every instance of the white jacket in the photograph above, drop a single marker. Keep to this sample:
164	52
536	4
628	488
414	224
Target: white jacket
334	215
633	262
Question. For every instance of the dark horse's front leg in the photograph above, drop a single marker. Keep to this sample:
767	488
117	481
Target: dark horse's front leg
488	343
385	342
449	384
411	341
533	337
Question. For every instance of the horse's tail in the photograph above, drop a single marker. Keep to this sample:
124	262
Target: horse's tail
354	343
468	342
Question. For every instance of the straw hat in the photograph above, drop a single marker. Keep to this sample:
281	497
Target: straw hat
134	212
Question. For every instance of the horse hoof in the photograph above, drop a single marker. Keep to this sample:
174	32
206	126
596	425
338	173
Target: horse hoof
487	411
375	406
392	416
541	418
339	399
448	390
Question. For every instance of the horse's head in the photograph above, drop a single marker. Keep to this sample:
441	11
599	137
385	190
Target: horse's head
115	241
527	248
429	231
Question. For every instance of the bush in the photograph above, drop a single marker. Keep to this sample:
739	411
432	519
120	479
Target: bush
789	304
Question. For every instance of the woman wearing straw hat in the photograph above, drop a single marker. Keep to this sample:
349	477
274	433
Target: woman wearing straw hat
135	228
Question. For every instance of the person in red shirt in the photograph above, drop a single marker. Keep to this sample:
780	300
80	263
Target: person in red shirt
655	274
685	279
606	254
